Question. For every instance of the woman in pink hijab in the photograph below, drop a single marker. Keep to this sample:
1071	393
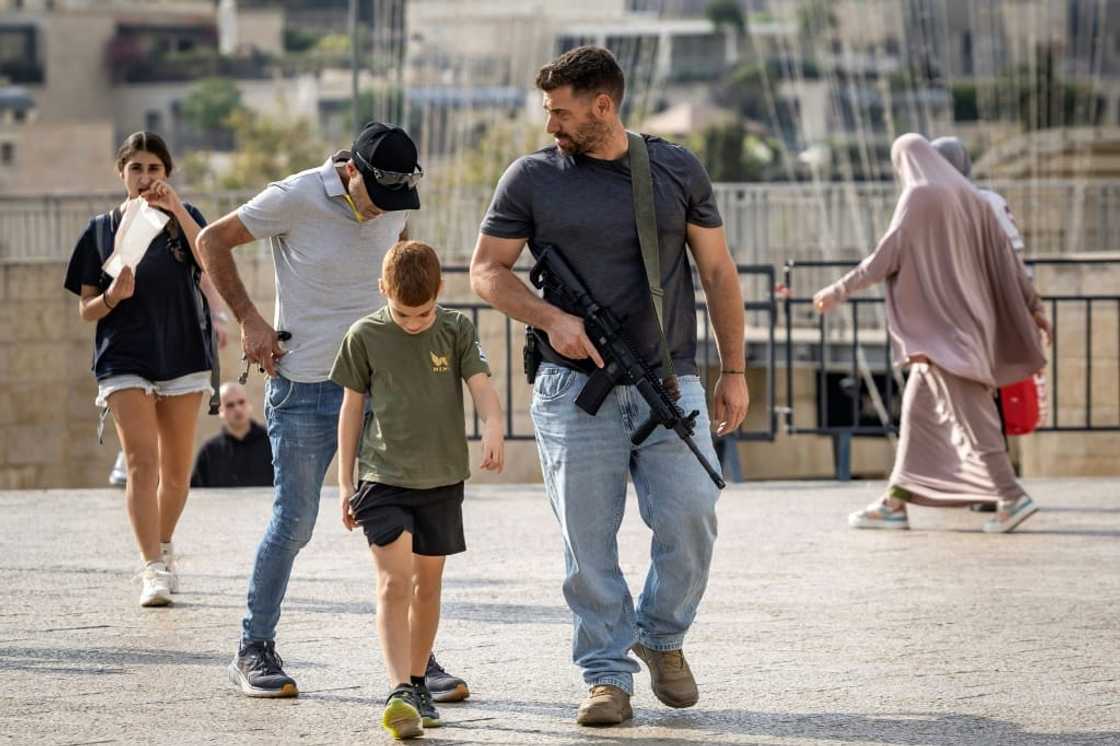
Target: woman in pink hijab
964	315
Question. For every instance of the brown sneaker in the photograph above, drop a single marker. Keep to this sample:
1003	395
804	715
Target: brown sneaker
669	675
605	705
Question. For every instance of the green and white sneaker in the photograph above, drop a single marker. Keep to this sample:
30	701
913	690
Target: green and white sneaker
401	717
428	711
878	515
1010	514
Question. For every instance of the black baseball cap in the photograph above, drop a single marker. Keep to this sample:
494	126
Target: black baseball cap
386	157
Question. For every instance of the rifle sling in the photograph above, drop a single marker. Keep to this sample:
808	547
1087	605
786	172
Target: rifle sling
645	216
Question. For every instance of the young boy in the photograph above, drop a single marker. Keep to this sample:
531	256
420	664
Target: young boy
410	357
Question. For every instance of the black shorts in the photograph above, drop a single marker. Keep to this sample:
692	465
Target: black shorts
434	516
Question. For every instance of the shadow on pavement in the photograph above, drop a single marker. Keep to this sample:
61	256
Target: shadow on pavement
100	660
931	729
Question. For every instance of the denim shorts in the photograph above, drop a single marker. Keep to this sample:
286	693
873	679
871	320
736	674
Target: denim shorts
189	384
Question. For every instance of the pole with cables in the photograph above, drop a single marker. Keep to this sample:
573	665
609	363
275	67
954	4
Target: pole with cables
352	23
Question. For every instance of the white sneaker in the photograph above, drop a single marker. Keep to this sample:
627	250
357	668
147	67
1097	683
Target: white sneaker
1009	514
167	554
118	477
157	585
878	515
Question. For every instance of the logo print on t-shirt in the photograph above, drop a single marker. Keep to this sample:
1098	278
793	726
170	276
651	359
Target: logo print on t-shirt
439	363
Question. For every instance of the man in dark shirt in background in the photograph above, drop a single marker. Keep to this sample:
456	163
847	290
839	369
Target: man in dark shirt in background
240	455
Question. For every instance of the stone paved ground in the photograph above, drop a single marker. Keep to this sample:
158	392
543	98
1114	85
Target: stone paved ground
810	633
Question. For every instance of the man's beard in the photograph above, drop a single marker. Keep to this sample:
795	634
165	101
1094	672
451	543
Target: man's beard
586	137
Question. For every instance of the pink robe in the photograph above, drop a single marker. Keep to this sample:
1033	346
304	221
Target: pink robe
958	295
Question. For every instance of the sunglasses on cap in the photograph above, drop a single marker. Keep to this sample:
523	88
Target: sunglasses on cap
391	179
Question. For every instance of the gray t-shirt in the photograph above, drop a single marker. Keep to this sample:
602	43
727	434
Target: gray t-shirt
327	263
584	206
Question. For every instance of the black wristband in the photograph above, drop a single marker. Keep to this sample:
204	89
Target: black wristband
734	372
105	300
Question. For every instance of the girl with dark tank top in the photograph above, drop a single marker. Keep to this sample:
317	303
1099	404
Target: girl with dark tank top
153	352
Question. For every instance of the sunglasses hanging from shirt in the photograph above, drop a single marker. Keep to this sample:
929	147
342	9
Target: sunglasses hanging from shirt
390	179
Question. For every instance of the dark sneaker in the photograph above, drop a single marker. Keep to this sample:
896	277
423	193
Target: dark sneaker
443	686
670	676
605	705
259	672
401	716
428	710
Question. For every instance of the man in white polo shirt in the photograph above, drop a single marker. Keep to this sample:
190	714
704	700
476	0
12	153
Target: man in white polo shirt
328	228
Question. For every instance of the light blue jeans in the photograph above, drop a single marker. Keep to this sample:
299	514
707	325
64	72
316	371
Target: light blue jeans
585	461
303	428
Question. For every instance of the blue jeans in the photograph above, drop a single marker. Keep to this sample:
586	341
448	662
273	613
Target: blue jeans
303	428
585	461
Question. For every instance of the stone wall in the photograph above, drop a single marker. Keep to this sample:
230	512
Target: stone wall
48	421
1083	373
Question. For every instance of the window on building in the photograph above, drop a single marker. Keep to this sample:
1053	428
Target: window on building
153	121
967	66
696	57
636	54
16	43
567	43
7	153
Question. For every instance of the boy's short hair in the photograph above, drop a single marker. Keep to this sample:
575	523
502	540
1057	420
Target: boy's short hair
411	273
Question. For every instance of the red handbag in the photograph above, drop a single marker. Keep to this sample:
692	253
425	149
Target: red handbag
1020	407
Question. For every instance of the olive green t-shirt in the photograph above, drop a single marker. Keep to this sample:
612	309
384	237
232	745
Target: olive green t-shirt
416	433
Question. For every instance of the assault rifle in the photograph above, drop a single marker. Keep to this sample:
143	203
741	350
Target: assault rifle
623	365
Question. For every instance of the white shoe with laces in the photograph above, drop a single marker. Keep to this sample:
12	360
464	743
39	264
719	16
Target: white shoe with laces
156	582
167	554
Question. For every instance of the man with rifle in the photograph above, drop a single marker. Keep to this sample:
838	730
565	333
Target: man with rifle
622	241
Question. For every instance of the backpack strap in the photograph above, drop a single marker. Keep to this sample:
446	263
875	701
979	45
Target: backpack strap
206	322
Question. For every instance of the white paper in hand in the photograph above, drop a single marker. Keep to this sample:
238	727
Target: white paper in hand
140	224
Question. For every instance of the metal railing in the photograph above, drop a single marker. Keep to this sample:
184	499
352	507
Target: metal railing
514	390
765	223
848	349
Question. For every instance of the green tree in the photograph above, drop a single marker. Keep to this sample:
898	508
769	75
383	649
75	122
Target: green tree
266	150
815	18
965	104
744	89
498	144
726	13
384	104
730	154
210	104
269	149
